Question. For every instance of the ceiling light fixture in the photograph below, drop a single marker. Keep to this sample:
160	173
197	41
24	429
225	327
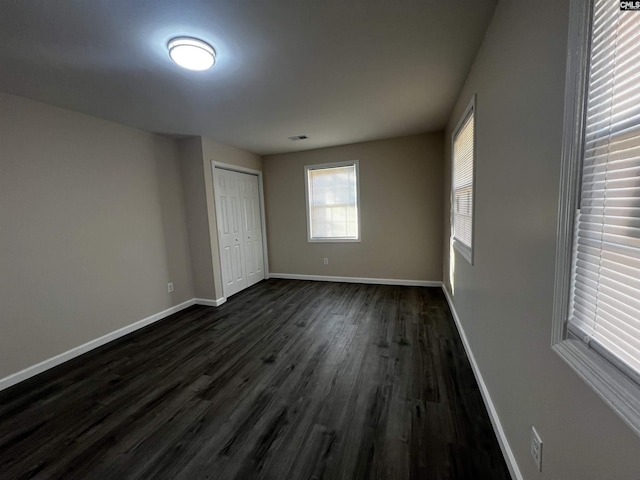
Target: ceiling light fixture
191	53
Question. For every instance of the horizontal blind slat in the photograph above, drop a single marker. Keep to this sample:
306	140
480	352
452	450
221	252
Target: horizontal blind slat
605	306
463	158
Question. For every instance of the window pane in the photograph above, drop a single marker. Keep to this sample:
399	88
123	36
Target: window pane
333	211
605	307
462	182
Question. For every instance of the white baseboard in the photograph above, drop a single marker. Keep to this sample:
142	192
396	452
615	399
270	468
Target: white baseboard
33	370
210	303
375	281
493	414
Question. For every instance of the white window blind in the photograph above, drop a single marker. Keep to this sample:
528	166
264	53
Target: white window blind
332	196
605	307
462	198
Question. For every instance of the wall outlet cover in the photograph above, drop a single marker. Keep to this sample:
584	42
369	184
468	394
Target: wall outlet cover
536	448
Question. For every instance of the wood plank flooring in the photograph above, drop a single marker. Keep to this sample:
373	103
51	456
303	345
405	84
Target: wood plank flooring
287	380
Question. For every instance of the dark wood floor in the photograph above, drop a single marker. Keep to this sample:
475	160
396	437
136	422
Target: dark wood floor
287	380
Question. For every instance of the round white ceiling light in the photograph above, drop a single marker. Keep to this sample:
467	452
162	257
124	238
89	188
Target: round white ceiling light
191	53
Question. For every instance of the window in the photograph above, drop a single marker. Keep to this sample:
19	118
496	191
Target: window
597	306
333	202
463	151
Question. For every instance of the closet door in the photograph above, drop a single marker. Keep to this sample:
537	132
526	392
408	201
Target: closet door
252	226
230	232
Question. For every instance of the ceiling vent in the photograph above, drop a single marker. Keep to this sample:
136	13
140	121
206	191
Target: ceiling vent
295	138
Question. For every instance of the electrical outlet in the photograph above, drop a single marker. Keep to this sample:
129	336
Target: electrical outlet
536	448
170	287
325	260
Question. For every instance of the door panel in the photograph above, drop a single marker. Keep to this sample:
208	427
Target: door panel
230	232
252	227
227	273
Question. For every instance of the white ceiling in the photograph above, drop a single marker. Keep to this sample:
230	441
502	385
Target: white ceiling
339	71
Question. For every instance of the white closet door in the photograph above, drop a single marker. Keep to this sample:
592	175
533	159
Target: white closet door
252	226
239	229
230	232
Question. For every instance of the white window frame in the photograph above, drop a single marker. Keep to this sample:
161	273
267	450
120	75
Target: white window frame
321	166
617	390
466	251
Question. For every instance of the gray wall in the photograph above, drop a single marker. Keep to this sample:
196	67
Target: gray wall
505	300
92	226
195	197
401	211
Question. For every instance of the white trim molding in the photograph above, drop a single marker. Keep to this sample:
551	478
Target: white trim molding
374	281
38	368
571	162
210	303
493	414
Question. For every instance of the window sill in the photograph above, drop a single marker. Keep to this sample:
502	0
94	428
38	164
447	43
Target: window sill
465	251
333	240
616	389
